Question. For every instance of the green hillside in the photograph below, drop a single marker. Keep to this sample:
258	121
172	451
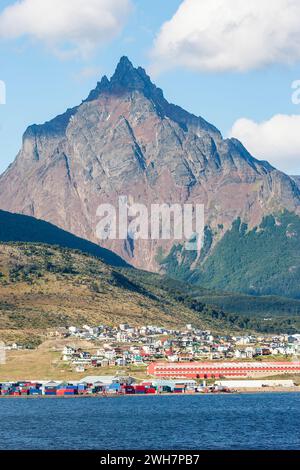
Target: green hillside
230	311
261	261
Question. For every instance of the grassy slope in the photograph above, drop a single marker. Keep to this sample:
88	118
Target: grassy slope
43	286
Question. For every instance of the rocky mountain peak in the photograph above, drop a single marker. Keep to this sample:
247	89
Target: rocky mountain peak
126	78
124	70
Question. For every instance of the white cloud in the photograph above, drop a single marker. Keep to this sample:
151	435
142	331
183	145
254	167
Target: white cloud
276	140
220	35
68	27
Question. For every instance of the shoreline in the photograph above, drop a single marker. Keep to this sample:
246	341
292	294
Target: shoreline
236	392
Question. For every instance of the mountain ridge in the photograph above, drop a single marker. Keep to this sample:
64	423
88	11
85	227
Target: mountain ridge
22	228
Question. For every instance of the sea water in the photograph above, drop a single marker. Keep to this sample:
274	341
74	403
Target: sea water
245	421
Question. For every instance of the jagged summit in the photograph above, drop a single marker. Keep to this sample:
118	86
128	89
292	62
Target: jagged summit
131	78
126	78
124	69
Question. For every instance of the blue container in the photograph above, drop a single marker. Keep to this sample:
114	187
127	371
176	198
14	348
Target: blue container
114	387
35	391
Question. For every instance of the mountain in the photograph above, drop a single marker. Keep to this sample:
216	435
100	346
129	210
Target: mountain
127	139
21	228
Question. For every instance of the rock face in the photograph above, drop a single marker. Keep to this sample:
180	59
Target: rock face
297	180
126	139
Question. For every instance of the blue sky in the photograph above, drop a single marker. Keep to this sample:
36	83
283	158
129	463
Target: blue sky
40	84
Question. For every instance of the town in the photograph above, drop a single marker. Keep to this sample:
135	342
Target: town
186	360
125	345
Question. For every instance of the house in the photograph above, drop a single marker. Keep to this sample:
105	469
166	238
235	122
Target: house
121	362
244	340
68	351
122	337
249	351
73	329
110	355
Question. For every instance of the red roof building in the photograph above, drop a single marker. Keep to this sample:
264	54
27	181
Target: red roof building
208	370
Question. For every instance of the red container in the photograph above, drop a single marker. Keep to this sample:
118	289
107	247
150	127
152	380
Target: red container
65	391
140	388
151	390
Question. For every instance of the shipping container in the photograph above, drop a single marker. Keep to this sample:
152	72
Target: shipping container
65	391
129	390
35	391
